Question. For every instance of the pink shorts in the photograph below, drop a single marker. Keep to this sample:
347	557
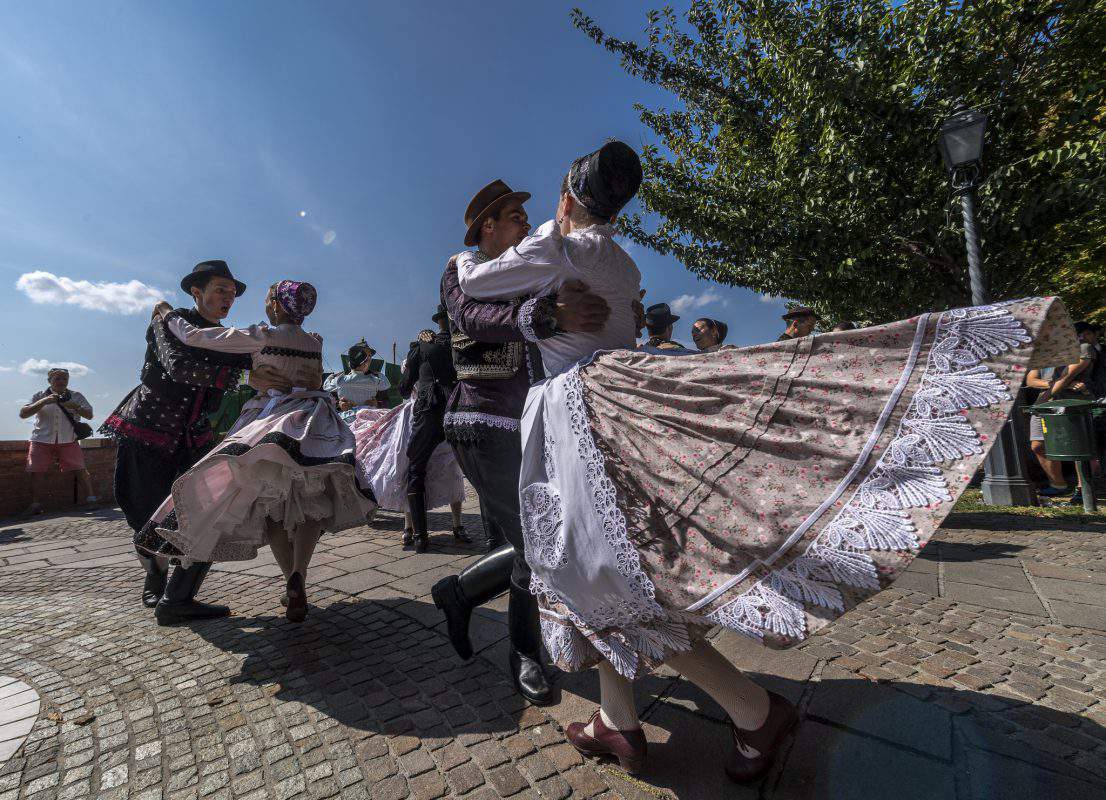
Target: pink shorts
41	456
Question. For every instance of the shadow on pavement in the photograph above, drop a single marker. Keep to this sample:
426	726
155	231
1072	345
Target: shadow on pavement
377	666
962	551
12	535
986	521
862	740
372	669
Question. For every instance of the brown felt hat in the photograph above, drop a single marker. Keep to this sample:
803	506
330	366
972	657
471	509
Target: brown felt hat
486	202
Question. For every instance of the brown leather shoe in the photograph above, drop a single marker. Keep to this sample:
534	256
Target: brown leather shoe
754	751
629	747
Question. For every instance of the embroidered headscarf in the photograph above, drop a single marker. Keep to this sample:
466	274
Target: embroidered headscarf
297	298
606	180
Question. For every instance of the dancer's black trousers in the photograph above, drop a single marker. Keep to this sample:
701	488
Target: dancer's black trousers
144	478
427	432
492	465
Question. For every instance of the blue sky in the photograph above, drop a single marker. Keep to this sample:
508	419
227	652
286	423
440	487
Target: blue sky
138	138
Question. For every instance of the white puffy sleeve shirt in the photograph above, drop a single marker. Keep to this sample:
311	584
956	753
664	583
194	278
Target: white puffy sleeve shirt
294	353
545	261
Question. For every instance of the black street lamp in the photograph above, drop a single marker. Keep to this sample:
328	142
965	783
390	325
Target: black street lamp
961	146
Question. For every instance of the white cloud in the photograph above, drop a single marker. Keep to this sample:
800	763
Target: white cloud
5	369
689	302
132	297
40	366
771	299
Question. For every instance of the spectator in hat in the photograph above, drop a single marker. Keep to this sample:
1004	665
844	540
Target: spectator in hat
800	322
53	440
709	334
357	388
659	320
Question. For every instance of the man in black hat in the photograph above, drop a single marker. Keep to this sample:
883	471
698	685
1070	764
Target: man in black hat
429	372
162	428
800	322
659	320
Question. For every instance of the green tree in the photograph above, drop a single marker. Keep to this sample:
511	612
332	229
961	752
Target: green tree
799	157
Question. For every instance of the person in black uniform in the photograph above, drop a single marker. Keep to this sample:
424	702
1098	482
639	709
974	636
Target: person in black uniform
429	372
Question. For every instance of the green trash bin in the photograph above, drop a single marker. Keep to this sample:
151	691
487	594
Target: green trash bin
1069	436
1069	428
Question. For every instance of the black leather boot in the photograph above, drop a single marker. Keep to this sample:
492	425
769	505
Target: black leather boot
154	585
492	532
416	504
179	603
479	582
525	657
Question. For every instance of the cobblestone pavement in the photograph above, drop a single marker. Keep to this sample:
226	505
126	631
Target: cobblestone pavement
981	674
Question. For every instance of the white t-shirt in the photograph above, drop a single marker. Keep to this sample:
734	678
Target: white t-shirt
51	426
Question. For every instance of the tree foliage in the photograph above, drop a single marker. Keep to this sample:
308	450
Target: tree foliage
799	158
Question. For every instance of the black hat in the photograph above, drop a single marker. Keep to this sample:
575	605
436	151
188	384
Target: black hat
800	311
440	314
359	354
210	269
606	180
659	316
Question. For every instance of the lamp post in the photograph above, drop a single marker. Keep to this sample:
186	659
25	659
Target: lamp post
961	146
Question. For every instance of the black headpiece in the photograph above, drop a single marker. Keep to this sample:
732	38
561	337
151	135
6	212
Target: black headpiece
606	180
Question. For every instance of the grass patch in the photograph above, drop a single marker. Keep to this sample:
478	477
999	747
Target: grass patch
971	502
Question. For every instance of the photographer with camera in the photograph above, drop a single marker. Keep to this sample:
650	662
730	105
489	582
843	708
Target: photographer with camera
56	435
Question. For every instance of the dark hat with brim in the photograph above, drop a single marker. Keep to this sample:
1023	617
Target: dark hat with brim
210	269
659	316
440	314
800	311
359	354
486	203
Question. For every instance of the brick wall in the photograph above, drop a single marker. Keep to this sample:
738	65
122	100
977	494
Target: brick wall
59	488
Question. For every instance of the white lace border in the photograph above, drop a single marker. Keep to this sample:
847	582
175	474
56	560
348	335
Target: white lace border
932	431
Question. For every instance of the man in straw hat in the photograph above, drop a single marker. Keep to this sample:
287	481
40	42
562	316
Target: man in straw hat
162	428
496	359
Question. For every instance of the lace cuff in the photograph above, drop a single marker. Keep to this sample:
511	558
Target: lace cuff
536	320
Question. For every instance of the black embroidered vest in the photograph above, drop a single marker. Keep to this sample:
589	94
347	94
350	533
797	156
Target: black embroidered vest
479	361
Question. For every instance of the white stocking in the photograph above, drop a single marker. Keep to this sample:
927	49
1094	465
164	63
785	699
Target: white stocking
743	700
616	700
